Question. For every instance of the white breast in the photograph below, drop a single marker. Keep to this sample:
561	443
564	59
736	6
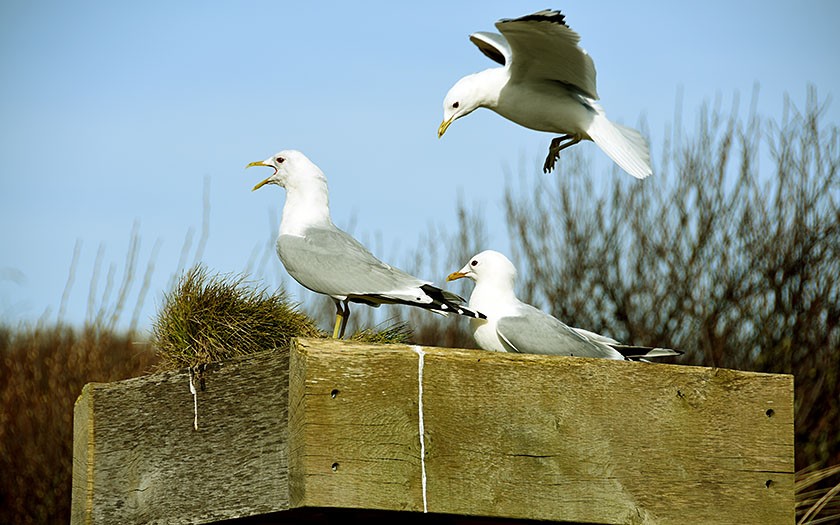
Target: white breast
556	111
484	333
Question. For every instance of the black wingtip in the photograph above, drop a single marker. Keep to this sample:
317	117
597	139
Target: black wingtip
443	301
546	15
640	353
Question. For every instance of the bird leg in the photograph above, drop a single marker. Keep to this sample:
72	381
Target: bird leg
344	319
556	147
341	317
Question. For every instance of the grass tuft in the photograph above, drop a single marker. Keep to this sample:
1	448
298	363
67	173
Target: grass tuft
389	332
210	318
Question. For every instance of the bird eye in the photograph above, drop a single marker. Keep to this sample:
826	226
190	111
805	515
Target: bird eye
473	263
280	160
455	105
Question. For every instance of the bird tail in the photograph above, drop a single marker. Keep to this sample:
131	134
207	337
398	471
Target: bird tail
444	302
642	353
625	146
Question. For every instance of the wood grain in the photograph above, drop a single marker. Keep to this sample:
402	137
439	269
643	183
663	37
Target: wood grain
544	437
335	425
137	458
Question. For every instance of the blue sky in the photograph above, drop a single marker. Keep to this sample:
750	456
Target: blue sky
115	113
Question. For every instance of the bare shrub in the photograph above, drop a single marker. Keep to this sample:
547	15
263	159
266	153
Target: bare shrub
737	266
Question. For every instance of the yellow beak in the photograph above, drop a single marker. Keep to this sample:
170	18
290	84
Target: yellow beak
258	163
455	275
260	185
443	126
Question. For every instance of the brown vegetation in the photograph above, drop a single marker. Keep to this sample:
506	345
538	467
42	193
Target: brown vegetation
42	371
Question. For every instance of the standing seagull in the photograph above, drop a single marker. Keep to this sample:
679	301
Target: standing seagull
327	260
514	326
546	83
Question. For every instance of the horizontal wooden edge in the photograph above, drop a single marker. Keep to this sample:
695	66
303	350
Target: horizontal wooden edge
304	344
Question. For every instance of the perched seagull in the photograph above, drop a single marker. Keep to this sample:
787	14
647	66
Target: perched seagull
546	83
513	326
327	260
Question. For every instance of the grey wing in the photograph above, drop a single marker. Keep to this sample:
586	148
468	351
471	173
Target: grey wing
532	331
331	262
493	45
632	352
544	48
592	336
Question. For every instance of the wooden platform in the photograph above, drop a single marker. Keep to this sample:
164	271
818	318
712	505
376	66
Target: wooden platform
285	437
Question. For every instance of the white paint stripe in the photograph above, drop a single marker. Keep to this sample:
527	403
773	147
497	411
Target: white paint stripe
195	400
420	362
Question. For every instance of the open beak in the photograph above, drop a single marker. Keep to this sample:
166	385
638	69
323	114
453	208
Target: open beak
260	163
443	126
455	275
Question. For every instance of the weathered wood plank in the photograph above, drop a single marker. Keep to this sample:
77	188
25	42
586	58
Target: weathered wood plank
353	427
81	508
138	459
539	437
336	425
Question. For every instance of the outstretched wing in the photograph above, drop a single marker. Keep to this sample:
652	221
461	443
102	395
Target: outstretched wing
493	45
543	48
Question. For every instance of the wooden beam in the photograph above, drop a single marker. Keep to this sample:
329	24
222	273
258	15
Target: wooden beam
539	437
138	458
336	425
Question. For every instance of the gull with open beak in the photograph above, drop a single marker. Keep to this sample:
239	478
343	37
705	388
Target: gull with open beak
327	260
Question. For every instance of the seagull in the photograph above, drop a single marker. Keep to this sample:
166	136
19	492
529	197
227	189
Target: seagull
546	83
514	326
326	260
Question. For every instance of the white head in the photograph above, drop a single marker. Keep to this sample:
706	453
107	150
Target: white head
292	169
467	95
488	268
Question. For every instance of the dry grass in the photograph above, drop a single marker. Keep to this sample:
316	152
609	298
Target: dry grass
42	371
817	501
210	318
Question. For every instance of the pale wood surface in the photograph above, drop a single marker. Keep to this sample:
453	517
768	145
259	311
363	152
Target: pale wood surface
336	425
541	437
137	458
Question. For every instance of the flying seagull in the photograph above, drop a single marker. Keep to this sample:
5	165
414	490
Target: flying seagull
546	83
326	260
514	326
